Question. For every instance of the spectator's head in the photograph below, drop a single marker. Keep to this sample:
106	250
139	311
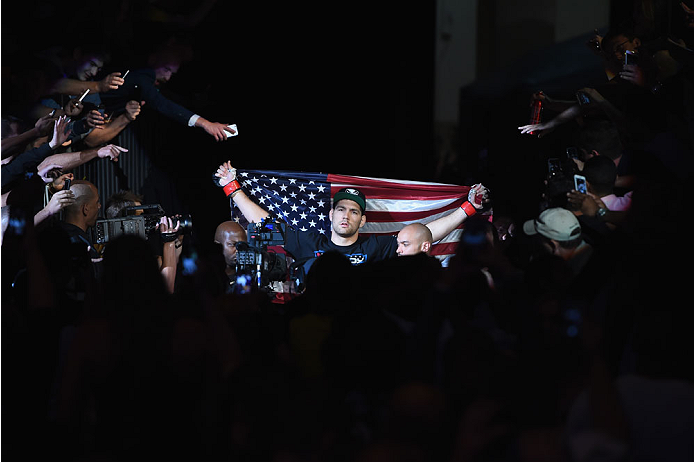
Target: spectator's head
558	229
88	62
227	235
85	210
167	59
601	174
11	126
619	40
413	239
120	200
599	137
327	277
347	215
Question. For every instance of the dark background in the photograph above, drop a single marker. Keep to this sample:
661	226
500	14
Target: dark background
337	90
332	88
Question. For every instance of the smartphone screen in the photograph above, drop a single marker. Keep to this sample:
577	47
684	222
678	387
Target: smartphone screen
582	98
580	184
630	57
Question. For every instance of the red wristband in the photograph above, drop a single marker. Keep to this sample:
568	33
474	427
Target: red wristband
468	208
231	187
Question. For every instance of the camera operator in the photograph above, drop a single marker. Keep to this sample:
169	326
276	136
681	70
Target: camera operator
168	245
228	234
119	201
172	247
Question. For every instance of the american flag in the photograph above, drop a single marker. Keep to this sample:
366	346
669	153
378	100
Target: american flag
303	200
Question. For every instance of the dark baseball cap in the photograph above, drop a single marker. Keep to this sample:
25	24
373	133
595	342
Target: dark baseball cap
352	194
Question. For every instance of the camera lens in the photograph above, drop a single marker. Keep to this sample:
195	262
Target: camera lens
185	223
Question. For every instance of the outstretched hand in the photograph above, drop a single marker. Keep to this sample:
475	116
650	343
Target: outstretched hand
95	119
216	129
45	124
59	201
226	173
60	132
110	82
540	129
49	172
132	109
111	151
59	183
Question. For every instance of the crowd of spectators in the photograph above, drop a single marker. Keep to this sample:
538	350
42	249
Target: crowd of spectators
560	337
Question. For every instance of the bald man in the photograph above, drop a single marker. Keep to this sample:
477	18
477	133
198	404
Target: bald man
413	239
79	216
85	210
228	233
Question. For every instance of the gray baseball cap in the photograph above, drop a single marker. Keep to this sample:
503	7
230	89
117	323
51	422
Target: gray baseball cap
554	223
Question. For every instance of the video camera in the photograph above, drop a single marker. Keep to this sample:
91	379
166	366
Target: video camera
141	225
253	259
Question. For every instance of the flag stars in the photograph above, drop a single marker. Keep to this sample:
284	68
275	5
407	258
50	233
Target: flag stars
321	188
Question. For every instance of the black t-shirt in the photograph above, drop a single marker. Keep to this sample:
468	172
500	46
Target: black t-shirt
307	246
644	113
